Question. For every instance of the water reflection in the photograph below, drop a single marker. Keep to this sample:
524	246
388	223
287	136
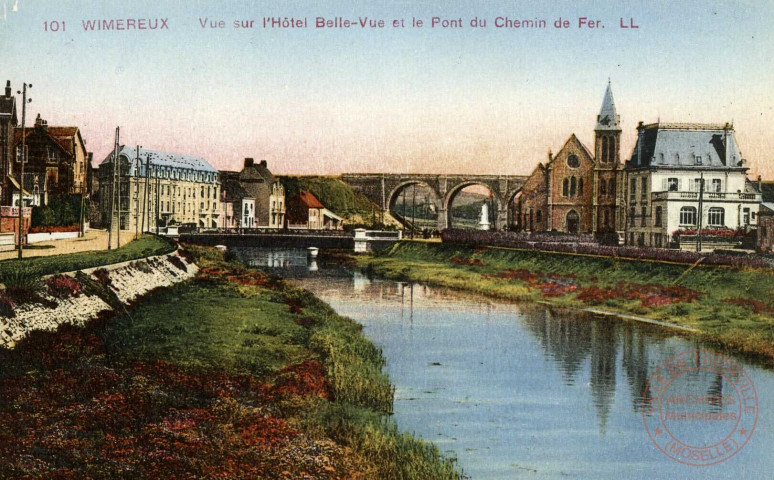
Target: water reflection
509	389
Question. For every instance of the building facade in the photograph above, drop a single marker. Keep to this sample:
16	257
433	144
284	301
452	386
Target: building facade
238	207
268	193
57	163
8	123
576	190
157	189
305	211
682	177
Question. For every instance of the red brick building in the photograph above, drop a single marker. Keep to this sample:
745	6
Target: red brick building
576	190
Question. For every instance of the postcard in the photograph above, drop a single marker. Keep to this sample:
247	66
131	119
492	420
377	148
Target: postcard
386	240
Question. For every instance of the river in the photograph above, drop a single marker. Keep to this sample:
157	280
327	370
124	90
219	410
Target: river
525	391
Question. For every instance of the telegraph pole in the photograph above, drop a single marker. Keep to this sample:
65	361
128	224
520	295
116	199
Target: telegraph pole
23	160
145	193
137	194
113	191
701	215
413	209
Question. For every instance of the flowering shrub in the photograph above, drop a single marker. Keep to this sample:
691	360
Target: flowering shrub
716	232
583	244
467	261
237	275
6	307
650	295
103	276
756	306
549	284
63	286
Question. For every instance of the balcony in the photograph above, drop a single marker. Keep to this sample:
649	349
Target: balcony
708	196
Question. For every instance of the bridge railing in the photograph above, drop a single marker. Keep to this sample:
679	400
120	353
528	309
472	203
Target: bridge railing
269	231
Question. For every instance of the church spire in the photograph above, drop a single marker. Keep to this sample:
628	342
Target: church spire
608	119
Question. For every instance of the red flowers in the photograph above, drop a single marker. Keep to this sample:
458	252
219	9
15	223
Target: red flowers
467	261
63	286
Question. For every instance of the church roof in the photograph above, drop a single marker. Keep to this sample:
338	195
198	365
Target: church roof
608	119
686	145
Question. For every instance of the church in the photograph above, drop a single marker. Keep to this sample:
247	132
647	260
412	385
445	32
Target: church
576	190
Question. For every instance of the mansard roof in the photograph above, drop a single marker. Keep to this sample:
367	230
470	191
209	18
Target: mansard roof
677	145
161	159
608	119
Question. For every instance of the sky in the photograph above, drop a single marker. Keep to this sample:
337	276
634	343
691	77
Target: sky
393	99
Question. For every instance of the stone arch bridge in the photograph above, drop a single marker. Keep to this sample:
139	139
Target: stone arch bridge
384	189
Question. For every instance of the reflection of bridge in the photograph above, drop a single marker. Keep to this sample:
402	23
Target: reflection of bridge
384	188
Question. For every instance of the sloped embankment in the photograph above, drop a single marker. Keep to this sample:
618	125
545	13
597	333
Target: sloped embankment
77	297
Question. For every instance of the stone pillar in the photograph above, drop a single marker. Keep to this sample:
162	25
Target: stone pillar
502	217
442	219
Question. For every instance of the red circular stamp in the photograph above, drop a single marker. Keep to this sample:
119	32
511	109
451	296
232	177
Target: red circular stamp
700	407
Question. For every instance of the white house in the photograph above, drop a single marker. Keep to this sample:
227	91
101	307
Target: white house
664	177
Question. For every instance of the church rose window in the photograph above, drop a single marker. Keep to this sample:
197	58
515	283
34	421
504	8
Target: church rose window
573	161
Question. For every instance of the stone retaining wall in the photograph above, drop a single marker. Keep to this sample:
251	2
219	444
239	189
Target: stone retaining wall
128	281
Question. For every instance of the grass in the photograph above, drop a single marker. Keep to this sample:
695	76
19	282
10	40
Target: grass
145	246
239	321
725	312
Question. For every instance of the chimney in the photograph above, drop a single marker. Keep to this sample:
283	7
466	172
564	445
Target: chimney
8	88
40	123
248	162
263	163
760	184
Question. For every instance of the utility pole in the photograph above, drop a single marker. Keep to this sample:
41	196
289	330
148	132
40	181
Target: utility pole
113	191
23	160
137	193
118	195
413	209
158	212
701	214
145	193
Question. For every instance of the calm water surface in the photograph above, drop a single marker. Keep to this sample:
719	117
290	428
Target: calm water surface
519	391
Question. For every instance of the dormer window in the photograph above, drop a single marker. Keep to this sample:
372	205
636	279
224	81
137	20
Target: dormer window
698	159
661	158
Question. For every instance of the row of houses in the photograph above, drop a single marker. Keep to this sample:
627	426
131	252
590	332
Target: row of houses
680	177
150	189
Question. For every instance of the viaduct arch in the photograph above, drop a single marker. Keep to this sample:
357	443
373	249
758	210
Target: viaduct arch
383	189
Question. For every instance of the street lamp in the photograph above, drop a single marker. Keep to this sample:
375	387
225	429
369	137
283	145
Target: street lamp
23	160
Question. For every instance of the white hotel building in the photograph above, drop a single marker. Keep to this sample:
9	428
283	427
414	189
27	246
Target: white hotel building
663	180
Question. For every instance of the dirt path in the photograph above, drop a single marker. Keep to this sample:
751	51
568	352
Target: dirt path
92	240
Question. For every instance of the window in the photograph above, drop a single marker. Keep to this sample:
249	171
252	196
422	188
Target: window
644	216
688	216
698	159
644	191
565	187
573	161
672	184
661	157
605	157
716	216
696	185
746	216
602	187
580	187
607	219
573	186
611	150
716	184
611	187
539	216
633	189
658	217
631	217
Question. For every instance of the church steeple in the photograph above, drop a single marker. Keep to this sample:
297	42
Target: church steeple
608	119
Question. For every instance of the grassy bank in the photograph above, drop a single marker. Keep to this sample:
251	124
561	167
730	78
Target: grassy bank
145	246
230	375
730	306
